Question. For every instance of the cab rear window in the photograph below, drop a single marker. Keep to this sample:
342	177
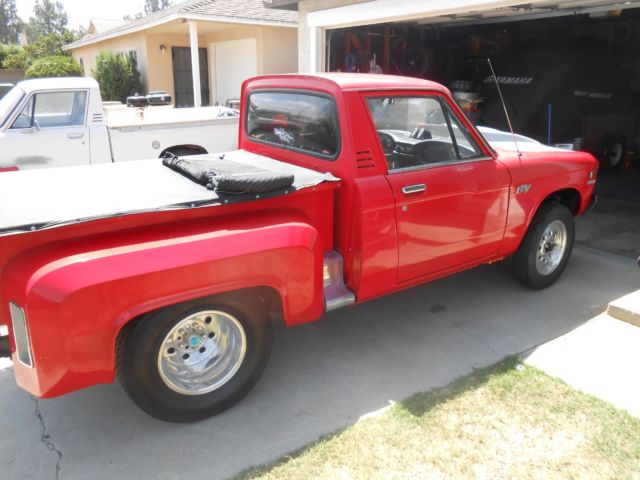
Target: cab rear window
305	122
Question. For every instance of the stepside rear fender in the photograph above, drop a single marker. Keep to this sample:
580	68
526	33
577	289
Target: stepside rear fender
78	296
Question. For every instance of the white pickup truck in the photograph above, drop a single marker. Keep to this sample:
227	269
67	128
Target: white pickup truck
55	122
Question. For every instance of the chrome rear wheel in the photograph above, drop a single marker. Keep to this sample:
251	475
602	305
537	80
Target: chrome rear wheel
202	352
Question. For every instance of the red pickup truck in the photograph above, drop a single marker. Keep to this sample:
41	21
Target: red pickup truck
171	277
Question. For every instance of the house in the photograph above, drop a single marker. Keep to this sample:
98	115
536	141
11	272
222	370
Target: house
225	40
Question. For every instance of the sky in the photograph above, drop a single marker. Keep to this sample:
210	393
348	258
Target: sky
80	11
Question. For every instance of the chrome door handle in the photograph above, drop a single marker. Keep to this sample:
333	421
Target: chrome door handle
419	187
75	135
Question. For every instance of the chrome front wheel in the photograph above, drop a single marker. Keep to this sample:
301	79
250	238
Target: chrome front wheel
551	247
546	247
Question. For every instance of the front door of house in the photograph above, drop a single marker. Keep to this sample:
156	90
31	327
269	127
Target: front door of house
183	78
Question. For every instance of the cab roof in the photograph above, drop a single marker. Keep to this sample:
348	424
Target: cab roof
350	81
57	83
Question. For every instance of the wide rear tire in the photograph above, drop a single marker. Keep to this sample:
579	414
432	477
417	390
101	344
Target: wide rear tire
546	247
193	360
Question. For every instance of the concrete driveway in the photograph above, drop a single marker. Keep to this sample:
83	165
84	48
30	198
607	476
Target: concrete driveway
321	377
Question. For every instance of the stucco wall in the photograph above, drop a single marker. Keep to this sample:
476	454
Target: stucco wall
160	66
276	51
280	50
11	75
134	41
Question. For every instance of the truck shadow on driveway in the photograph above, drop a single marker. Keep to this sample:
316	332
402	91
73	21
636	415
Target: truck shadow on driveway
321	377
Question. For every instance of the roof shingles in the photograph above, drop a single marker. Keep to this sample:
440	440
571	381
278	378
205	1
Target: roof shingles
251	11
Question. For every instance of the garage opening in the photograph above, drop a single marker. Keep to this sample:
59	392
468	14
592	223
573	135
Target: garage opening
572	81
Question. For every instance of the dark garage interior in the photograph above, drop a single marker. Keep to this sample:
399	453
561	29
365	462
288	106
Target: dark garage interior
568	80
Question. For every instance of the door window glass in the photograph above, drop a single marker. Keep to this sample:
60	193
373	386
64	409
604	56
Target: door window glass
297	121
417	131
60	109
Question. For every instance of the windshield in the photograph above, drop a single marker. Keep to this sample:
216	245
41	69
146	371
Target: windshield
8	103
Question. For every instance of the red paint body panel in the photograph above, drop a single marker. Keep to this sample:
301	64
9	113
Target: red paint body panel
79	294
81	283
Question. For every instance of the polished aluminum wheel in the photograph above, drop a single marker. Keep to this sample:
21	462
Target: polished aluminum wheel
202	352
551	247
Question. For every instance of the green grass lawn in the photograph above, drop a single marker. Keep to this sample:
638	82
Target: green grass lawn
507	421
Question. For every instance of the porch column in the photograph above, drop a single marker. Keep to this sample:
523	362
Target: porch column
316	49
195	63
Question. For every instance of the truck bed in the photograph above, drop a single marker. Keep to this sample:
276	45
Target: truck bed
122	116
39	199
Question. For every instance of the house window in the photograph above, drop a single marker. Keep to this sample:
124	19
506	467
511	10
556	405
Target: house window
133	55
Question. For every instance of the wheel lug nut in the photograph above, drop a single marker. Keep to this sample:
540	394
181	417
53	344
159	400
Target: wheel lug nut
208	319
211	335
202	350
185	356
171	351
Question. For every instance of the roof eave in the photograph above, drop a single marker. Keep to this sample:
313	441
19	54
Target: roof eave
120	33
241	20
169	18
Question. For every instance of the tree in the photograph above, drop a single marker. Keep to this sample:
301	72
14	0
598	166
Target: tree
45	45
152	6
49	18
10	23
117	76
54	66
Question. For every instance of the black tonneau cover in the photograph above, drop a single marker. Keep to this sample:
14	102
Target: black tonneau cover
47	198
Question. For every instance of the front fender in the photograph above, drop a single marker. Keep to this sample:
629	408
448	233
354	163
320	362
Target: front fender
78	296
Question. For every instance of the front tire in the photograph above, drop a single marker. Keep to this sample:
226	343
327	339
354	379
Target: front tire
546	247
193	360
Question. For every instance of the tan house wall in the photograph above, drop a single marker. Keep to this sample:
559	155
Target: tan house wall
276	50
134	41
280	52
159	65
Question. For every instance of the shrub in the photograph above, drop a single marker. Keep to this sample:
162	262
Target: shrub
7	51
117	75
54	66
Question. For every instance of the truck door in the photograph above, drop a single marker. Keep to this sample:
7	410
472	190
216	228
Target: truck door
450	194
50	131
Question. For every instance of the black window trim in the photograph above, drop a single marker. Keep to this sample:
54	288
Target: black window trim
448	112
19	111
310	153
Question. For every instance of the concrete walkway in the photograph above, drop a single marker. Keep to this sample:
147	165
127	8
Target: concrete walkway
600	357
321	377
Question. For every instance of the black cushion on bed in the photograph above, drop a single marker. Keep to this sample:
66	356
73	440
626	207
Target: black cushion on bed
226	176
